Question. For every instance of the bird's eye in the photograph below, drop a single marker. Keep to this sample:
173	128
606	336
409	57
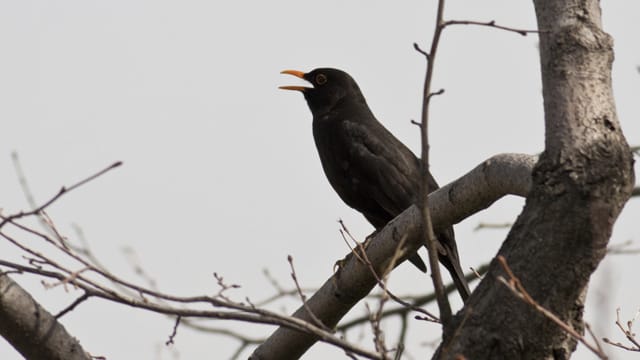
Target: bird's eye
321	79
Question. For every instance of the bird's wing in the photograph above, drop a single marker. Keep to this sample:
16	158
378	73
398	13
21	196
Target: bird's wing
387	169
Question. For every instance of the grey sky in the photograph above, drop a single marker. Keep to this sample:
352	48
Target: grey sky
220	170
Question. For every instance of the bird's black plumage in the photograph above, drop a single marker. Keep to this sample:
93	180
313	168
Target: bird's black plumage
369	168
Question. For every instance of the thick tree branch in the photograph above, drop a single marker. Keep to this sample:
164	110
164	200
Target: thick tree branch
31	329
473	192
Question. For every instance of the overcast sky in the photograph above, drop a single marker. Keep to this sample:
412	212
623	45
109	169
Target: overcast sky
220	170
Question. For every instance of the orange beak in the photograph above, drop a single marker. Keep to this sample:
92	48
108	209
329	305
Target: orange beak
295	73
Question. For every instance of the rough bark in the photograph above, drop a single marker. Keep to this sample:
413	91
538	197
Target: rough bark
31	330
489	181
580	184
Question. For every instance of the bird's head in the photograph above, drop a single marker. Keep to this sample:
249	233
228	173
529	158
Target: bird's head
330	87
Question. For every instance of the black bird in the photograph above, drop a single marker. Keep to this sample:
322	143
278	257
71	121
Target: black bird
369	168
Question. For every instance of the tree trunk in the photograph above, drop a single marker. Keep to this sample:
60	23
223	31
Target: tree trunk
580	184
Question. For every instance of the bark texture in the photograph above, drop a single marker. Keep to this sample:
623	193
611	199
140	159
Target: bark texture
580	184
33	331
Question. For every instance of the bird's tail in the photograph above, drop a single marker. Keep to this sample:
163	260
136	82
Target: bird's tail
416	260
449	257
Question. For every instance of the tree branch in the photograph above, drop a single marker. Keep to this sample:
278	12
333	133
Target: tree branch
31	329
473	192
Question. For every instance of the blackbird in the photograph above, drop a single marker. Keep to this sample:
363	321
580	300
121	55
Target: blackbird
370	169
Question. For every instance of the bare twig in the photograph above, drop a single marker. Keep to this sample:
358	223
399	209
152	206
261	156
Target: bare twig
516	287
72	306
427	228
361	254
61	192
628	333
223	286
424	53
280	292
174	332
418	301
303	297
148	299
593	337
346	235
492	24
239	312
622	249
440	25
483	225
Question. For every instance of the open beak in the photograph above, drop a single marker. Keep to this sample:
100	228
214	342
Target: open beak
295	73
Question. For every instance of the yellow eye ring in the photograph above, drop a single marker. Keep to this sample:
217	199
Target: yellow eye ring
321	79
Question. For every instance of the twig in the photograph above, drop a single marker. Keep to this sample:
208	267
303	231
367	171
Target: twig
362	255
378	335
344	232
424	53
174	332
623	248
72	306
593	337
223	286
240	312
303	297
483	225
61	192
516	287
492	24
628	333
427	228
146	298
280	291
404	326
417	302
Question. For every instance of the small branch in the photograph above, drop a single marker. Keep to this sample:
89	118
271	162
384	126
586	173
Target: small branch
593	337
415	303
404	327
378	335
427	226
516	287
344	232
492	24
435	93
72	306
223	287
623	249
303	297
482	226
362	255
418	49
443	303
628	333
280	292
61	192
174	332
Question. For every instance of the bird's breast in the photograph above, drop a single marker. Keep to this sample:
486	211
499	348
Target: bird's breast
335	148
